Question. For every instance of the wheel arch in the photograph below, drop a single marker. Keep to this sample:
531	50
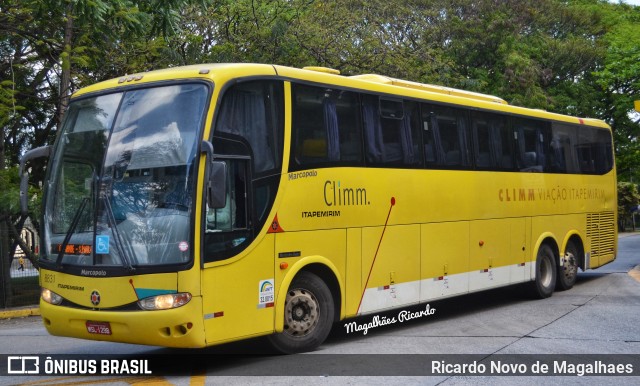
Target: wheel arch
325	270
549	239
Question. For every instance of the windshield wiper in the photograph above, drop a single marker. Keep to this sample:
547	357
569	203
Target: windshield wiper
72	228
126	260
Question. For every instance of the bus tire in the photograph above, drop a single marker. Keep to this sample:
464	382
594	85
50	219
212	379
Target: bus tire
545	281
568	268
308	315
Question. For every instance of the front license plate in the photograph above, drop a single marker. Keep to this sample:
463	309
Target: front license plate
100	328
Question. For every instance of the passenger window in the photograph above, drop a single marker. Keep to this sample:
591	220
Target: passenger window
253	112
492	147
562	156
410	134
389	131
326	127
532	138
594	151
445	136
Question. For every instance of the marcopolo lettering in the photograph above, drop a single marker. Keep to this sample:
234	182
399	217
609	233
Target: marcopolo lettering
87	272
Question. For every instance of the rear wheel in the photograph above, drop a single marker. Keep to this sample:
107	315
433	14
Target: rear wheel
308	315
545	280
568	268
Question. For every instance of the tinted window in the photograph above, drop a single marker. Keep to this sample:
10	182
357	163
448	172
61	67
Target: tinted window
252	112
562	149
390	128
445	136
594	150
492	144
532	139
336	127
326	127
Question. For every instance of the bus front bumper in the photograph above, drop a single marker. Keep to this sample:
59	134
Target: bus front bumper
178	327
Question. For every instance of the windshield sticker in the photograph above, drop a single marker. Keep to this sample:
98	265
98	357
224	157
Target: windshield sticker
183	246
102	244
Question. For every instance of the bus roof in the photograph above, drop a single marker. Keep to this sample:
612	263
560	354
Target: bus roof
429	87
222	72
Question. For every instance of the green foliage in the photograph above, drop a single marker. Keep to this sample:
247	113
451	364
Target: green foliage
618	79
580	57
10	195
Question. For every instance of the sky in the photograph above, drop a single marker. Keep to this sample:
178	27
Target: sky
632	2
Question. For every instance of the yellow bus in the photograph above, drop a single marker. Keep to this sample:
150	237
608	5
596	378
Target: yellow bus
204	204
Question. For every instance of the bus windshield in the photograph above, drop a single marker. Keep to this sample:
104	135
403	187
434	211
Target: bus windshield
121	183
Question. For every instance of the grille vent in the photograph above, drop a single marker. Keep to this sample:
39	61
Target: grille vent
602	232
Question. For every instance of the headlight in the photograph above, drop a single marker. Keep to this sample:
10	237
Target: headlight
165	302
50	296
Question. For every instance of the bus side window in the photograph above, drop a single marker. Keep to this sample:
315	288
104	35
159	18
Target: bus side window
563	158
410	134
228	227
326	127
349	127
594	151
532	138
390	130
253	112
445	136
492	148
311	139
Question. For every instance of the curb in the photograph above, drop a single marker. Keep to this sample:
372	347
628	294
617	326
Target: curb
19	313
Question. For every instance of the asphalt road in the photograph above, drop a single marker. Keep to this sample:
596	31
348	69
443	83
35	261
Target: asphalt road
600	315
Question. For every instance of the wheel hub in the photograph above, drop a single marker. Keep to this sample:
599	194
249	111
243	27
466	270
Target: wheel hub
569	266
301	312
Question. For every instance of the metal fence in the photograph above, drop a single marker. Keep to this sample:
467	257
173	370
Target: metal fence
20	286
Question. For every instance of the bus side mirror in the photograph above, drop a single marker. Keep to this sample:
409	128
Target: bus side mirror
43	151
217	185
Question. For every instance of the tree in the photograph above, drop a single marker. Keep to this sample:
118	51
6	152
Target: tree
619	84
49	48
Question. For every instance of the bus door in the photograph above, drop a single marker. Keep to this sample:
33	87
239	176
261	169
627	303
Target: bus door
237	282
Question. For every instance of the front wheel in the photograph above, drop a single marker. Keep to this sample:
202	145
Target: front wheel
545	281
568	268
308	315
